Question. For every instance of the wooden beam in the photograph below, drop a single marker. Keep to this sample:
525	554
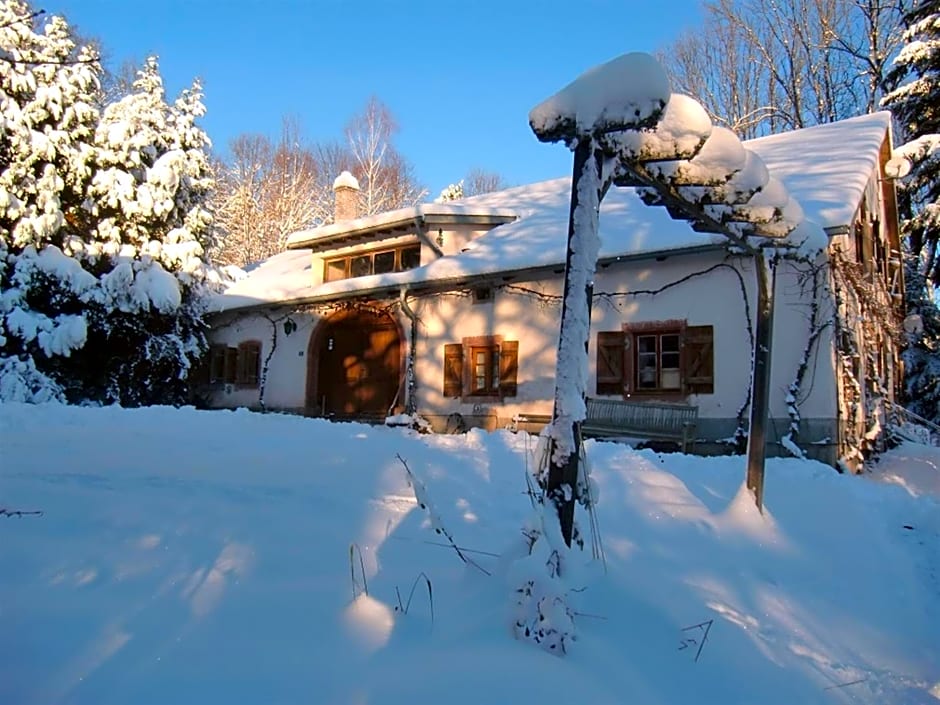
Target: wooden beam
636	174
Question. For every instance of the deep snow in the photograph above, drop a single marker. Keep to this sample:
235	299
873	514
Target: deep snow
201	557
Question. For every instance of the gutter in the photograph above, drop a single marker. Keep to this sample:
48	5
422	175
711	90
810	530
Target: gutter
410	380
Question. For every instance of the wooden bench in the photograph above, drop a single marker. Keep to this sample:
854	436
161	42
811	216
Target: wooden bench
651	420
648	420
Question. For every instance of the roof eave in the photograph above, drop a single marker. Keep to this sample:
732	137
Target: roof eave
403	222
450	283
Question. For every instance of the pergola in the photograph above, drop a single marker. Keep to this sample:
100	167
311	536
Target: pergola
626	128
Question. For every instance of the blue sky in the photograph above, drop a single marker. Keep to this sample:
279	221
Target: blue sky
459	77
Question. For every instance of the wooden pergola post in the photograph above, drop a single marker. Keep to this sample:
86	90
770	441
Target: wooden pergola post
760	379
562	482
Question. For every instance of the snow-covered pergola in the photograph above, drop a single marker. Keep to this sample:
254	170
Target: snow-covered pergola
627	128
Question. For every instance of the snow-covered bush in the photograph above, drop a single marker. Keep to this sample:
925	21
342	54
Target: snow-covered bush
103	225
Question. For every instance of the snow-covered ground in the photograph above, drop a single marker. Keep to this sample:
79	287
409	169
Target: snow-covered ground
204	557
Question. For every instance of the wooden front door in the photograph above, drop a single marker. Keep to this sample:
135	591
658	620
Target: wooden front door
357	361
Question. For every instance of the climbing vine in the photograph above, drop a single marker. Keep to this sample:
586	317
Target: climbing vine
864	318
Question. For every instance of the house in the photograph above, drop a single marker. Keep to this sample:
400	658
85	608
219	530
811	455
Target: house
451	310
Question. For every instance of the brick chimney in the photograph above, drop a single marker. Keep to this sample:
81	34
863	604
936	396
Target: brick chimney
346	197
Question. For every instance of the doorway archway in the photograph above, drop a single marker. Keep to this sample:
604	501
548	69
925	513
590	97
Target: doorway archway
354	365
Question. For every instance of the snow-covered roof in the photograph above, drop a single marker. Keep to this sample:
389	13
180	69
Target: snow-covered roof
401	217
825	168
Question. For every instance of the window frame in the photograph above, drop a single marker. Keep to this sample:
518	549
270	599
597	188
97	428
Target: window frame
695	355
500	369
239	365
658	354
347	259
490	370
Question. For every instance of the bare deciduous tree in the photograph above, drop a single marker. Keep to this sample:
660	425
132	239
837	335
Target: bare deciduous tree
479	181
760	67
723	72
385	177
266	191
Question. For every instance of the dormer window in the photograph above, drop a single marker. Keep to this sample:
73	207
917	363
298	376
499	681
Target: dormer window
375	262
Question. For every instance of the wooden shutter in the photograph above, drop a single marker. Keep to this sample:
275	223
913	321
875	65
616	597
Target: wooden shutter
231	364
249	363
610	363
698	360
216	363
453	370
508	367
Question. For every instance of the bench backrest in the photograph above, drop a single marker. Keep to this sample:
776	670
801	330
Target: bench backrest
641	415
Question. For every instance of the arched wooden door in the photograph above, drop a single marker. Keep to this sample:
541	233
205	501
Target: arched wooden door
354	365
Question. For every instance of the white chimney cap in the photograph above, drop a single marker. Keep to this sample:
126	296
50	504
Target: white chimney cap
346	179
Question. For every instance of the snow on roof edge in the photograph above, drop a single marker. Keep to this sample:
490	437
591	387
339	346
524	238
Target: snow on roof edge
835	158
400	215
354	286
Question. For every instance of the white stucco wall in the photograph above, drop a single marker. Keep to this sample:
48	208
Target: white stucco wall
713	298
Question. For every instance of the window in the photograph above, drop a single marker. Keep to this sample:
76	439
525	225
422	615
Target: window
664	358
378	262
360	266
657	361
335	269
483	366
483	295
409	257
484	369
383	262
239	365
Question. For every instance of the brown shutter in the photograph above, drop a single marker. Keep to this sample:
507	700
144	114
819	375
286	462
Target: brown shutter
610	363
698	360
231	364
253	357
508	367
453	370
216	363
249	359
254	367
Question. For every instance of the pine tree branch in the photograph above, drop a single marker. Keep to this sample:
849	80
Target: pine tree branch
17	21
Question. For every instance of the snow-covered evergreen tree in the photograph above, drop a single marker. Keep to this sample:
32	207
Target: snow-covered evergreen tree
922	353
915	102
147	199
103	226
47	90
